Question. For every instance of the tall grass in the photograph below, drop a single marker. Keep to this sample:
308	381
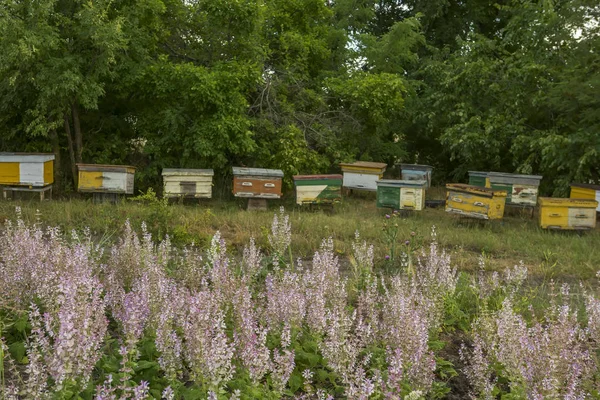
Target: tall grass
555	255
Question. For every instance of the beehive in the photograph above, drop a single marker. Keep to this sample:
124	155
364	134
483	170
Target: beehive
567	214
474	201
362	175
26	169
180	182
585	191
258	183
478	178
401	194
100	178
318	189
520	189
416	172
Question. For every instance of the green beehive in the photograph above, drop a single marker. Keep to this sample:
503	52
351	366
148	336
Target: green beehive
478	178
401	194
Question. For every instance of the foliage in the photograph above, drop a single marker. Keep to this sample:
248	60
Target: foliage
142	320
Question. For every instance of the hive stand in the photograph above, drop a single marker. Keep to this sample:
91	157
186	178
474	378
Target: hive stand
99	198
6	190
257	204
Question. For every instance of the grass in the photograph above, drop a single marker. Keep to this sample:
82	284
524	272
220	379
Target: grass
548	255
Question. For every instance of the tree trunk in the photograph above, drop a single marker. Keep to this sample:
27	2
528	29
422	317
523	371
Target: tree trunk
78	137
71	149
57	163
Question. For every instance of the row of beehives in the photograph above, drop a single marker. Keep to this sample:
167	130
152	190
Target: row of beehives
484	197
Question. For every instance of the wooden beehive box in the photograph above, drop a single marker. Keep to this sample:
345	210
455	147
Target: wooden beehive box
520	189
99	178
258	183
183	182
479	178
585	191
401	194
567	214
26	169
474	201
318	189
362	175
416	172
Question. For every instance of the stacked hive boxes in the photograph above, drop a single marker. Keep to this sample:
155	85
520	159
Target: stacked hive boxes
318	189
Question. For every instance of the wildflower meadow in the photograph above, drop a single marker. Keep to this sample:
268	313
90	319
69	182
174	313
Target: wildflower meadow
145	319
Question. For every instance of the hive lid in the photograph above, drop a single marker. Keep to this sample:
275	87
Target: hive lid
510	175
104	167
16	157
401	183
257	172
365	164
187	171
315	177
481	191
565	202
586	186
416	167
478	173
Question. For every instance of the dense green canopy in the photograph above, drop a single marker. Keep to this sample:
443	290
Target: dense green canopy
302	85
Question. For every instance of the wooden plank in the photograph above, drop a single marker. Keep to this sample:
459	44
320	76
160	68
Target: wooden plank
49	172
256	187
361	181
106	168
130	181
388	197
31	173
26	157
114	182
10	173
524	194
90	180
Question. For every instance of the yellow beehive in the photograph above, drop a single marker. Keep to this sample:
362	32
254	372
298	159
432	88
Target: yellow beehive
362	175
585	191
475	201
569	214
99	178
26	169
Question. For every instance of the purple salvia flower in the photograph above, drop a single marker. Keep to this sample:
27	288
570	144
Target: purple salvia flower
250	338
286	301
141	392
281	233
282	366
207	349
168	394
252	259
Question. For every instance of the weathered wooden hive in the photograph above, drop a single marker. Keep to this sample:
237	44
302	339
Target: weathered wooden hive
100	178
362	175
401	194
479	178
567	214
585	191
26	169
258	183
474	201
520	189
184	182
416	172
318	189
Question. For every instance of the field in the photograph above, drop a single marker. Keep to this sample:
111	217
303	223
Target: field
548	255
438	307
